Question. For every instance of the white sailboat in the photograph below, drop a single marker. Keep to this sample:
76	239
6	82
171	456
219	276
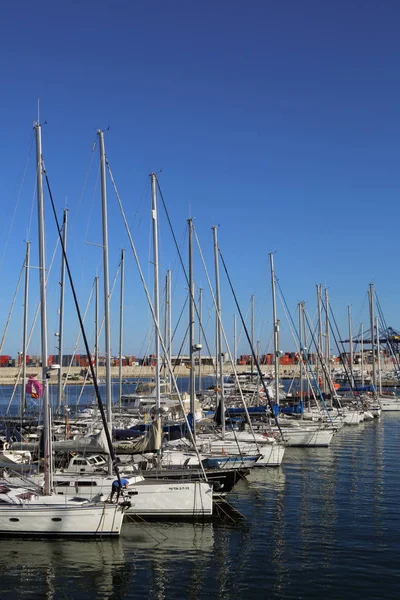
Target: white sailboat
24	511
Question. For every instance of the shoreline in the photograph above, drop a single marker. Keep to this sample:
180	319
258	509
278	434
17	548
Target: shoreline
8	375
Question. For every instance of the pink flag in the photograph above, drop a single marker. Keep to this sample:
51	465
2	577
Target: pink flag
34	388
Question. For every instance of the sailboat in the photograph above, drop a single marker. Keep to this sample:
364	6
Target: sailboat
295	433
24	510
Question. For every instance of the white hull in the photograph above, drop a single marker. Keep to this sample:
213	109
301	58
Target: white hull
351	417
389	404
308	436
376	411
271	454
181	458
60	520
148	498
171	499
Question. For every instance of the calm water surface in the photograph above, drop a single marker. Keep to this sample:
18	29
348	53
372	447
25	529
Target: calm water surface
326	525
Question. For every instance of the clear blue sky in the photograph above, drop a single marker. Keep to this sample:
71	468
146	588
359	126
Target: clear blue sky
278	121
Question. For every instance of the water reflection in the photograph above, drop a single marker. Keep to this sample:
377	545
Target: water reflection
163	548
166	539
324	525
38	567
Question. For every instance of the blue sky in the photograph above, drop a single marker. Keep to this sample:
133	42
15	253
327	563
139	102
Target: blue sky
277	121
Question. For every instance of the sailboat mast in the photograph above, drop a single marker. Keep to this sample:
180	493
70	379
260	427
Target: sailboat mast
327	336
168	337
121	325
107	331
25	330
328	345
220	383
61	320
378	350
234	343
252	336
301	357
350	347
96	326
200	335
43	313
276	329
156	299
167	329
362	355
192	390
372	325
319	350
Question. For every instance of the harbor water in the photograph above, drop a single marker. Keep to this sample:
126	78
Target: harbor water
325	525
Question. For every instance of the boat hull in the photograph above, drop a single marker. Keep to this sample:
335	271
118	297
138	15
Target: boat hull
47	520
148	498
308	437
271	454
389	404
171	499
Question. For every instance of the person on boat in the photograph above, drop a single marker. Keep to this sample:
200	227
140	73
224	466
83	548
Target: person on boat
116	487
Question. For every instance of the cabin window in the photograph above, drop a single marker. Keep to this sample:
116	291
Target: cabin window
79	462
86	483
57	519
14	519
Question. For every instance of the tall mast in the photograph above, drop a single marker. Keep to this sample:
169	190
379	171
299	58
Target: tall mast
96	326
276	329
372	325
301	306
43	314
121	325
362	355
305	354
61	319
234	343
191	327
168	340
25	331
220	384
107	331
327	336
156	300
252	336
167	326
200	335
378	350
319	350
350	347
327	343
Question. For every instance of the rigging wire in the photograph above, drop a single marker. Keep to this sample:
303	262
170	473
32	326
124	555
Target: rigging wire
183	267
156	324
218	313
304	352
11	308
32	329
85	340
250	344
342	354
18	199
